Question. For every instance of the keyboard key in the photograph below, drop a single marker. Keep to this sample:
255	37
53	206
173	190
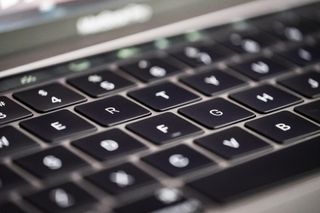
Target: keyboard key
272	169
12	140
261	68
288	26
67	197
112	111
163	200
311	110
50	162
9	207
163	96
164	128
303	56
9	179
49	97
178	160
307	84
232	143
246	41
121	179
216	113
109	145
11	111
283	127
202	54
151	69
100	83
212	82
58	126
265	98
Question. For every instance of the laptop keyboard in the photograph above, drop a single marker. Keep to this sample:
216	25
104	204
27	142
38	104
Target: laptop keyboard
169	124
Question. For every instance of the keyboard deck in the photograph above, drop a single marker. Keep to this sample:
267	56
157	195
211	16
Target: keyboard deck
168	125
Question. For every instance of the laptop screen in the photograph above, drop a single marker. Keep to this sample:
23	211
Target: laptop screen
36	26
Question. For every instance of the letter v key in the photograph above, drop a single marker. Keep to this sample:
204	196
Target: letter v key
233	143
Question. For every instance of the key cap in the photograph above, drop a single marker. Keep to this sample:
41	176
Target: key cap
100	83
67	197
11	111
311	110
12	140
283	127
232	143
112	111
10	207
152	68
121	179
216	113
265	98
178	160
164	128
212	82
163	96
288	26
49	97
58	126
9	179
109	145
307	84
246	41
303	56
201	54
163	200
50	162
272	169
261	68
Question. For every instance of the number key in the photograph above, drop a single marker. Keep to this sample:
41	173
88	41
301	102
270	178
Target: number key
11	111
49	97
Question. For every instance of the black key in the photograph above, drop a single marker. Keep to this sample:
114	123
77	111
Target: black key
283	127
49	97
276	167
12	140
163	96
164	128
58	126
288	26
202	54
232	143
9	207
151	69
108	145
9	179
303	56
307	84
67	197
11	111
265	98
261	68
50	162
311	110
100	83
250	41
178	160
121	179
163	200
112	111
216	113
212	82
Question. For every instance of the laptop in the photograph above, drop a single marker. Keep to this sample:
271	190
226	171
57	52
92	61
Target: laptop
159	106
